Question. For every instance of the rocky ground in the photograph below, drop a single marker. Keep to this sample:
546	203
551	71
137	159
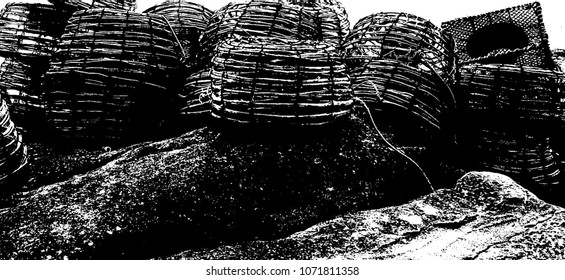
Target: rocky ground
215	193
486	216
205	188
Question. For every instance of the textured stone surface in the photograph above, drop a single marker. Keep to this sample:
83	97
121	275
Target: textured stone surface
486	216
204	188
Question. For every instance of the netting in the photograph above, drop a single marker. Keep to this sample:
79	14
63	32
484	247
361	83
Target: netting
13	152
30	29
514	35
20	81
283	81
332	19
393	88
257	18
402	37
196	95
109	80
188	20
509	92
126	5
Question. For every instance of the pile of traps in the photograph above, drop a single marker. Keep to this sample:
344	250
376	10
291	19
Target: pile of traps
276	81
188	20
510	95
523	110
109	80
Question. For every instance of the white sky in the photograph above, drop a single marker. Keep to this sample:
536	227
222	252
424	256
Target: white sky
435	10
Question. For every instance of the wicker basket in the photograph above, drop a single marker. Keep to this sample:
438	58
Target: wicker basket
196	95
403	37
257	18
395	89
106	33
510	93
511	36
126	5
332	19
188	20
30	29
20	82
109	80
279	81
13	152
527	158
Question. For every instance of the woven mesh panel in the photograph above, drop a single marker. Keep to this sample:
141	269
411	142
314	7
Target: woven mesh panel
510	93
271	19
288	82
20	79
332	19
188	20
108	81
126	5
511	36
393	88
526	158
13	152
196	94
30	29
402	37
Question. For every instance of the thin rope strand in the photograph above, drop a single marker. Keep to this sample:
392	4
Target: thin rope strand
393	147
175	34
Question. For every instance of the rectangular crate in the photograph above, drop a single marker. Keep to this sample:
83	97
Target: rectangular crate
515	35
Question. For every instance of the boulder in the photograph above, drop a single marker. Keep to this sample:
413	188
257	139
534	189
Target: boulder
486	216
207	187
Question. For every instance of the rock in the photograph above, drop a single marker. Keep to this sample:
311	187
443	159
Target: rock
486	216
207	187
49	163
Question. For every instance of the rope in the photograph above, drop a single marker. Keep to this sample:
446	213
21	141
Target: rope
392	146
175	35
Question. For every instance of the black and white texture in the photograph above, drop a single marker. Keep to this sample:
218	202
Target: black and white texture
267	129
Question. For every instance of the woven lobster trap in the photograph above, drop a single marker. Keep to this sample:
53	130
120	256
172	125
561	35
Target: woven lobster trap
196	94
125	5
257	18
512	93
20	82
399	92
110	79
268	81
188	20
515	35
30	30
333	22
404	37
107	33
526	157
13	152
